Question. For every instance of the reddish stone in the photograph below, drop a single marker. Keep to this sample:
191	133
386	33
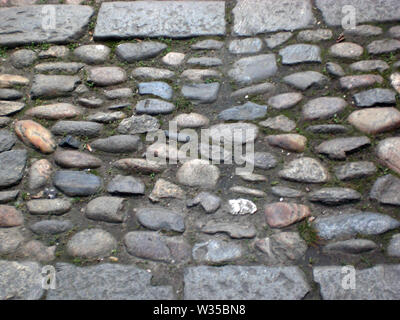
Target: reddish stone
375	120
282	214
10	217
32	133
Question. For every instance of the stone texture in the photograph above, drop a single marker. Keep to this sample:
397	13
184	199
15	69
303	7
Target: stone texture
131	52
281	123
373	97
270	16
10	94
10	240
364	30
244	283
108	209
33	134
300	53
138	124
323	108
53	86
154	106
12	166
59	67
106	282
291	142
366	10
120	93
339	147
202	92
106	76
48	206
216	251
10	80
162	19
286	192
36	250
360	81
388	152
76	159
148	73
51	227
328	128
154	246
253	69
234	230
107	117
238	133
23	58
7	140
77	128
155	218
277	39
254	90
75	183
91	243
262	160
282	247
205	61
335	69
245	46
306	170
173	58
285	100
198	173
20	280
351	224
355	170
92	54
209	44
8	108
241	207
393	249
314	35
191	120
156	88
8	196
141	165
375	120
199	75
386	190
369	65
23	25
281	214
55	111
347	50
118	144
383	46
165	189
248	191
334	196
377	283
305	80
247	111
209	202
126	185
10	217
352	246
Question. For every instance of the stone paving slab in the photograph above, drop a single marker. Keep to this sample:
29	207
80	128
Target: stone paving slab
366	10
252	17
381	282
160	19
244	283
106	282
25	25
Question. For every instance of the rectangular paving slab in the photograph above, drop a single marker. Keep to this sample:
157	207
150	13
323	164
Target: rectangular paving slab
252	17
43	23
365	10
175	19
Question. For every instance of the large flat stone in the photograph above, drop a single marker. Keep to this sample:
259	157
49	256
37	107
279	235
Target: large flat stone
252	17
160	19
366	10
244	283
24	25
106	282
380	282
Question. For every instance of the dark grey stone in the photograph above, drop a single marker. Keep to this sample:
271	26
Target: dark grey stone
7	140
76	183
108	209
160	19
353	246
77	128
328	128
154	106
244	283
23	58
53	86
338	148
12	166
10	94
334	196
24	25
125	185
106	282
160	219
374	97
234	230
209	202
59	67
247	111
355	170
118	144
262	160
8	196
51	227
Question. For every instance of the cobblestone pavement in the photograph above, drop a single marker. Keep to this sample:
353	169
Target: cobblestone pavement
84	84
